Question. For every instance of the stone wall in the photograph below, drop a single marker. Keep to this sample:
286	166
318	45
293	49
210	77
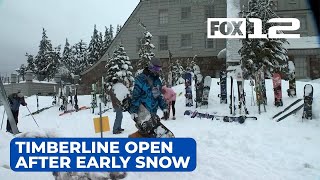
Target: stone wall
31	88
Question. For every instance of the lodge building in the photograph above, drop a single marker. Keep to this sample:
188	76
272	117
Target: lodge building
180	26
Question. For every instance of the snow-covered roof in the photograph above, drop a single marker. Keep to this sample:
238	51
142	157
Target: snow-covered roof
308	42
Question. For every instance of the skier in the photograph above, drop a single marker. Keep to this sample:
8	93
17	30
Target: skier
147	91
15	99
170	97
116	104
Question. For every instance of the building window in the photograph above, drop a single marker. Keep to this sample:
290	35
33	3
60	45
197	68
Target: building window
163	43
140	42
209	12
186	40
185	13
209	43
274	4
300	68
303	22
163	16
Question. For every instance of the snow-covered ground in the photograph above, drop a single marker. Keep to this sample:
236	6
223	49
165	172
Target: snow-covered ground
262	149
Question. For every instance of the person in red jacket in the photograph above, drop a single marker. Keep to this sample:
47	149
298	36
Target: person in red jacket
170	97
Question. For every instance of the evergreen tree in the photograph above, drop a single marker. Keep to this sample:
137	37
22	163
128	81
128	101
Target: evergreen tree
43	57
106	41
145	52
80	58
22	71
67	56
177	73
30	61
119	66
53	63
94	50
256	53
111	32
118	28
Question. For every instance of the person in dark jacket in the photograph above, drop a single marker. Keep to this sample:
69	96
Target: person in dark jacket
15	99
116	104
147	91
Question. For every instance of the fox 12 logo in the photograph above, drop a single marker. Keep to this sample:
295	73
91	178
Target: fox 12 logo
221	28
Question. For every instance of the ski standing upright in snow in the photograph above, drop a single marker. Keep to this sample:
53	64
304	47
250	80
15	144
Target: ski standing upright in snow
223	86
292	92
308	99
276	80
188	88
94	103
232	105
241	94
206	91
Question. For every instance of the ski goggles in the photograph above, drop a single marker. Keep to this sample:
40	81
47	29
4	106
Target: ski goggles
155	68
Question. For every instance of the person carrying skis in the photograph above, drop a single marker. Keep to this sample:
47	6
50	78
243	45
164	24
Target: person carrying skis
15	99
147	92
116	104
170	97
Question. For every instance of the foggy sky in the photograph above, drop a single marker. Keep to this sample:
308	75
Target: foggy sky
21	23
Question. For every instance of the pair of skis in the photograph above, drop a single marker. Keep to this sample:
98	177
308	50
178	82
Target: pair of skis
240	119
296	109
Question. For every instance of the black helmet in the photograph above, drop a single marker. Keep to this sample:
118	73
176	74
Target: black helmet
155	66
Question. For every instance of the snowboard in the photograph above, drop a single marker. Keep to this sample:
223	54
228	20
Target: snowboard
276	80
241	94
199	89
206	91
149	125
188	88
292	92
259	90
223	87
308	98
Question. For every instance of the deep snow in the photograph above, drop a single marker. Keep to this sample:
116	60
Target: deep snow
262	149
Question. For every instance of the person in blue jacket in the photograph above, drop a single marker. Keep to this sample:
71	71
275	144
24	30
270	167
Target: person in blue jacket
15	99
147	91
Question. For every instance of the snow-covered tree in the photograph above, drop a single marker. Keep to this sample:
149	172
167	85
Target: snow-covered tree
177	73
80	57
30	61
43	57
111	31
22	71
118	28
119	66
106	41
67	56
145	52
256	53
53	62
95	46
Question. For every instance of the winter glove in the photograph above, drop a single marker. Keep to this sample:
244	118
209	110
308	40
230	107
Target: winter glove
166	114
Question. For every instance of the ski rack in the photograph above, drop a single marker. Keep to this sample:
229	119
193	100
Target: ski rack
4	99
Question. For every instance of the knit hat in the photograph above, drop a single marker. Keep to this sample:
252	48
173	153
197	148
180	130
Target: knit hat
155	65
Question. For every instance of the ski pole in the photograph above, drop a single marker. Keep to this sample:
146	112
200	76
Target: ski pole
2	118
32	116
